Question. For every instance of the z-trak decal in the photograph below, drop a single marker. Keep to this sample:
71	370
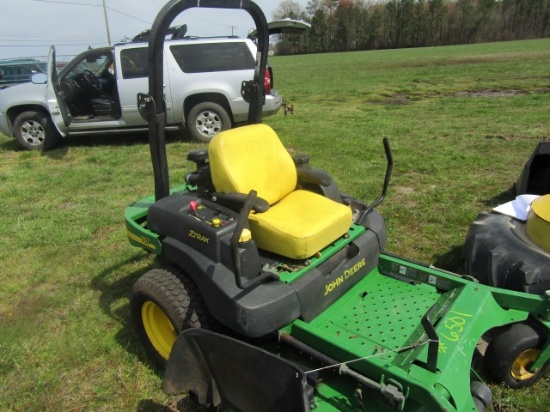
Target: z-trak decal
194	235
348	273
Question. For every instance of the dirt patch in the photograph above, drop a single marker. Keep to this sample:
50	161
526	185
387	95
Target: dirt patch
397	99
492	93
404	189
517	137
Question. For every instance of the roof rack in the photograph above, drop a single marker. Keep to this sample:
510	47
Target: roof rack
176	32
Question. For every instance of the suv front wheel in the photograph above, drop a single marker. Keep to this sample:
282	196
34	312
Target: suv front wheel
206	120
35	131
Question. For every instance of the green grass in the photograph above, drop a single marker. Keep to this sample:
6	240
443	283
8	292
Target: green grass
462	122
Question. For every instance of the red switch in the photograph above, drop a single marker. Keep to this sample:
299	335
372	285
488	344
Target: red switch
193	206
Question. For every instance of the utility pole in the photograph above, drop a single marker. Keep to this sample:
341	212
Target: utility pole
232	27
106	23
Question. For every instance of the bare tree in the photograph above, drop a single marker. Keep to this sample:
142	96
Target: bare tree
288	8
290	43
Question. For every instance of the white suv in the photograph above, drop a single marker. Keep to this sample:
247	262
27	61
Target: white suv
97	92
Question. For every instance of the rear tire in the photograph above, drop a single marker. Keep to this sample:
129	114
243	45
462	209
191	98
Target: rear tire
510	354
497	252
35	131
165	302
206	120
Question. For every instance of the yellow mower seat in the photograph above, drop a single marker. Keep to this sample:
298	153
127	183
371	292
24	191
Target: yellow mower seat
299	223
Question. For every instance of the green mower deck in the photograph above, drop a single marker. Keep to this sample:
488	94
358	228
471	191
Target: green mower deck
378	327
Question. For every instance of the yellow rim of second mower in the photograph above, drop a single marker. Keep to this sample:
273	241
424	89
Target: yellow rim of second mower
520	366
538	222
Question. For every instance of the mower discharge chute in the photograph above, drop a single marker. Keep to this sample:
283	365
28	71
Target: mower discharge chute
273	292
535	176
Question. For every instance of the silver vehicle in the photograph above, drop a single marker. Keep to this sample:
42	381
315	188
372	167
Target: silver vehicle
17	71
96	92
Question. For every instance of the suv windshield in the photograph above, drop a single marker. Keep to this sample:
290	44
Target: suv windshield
96	64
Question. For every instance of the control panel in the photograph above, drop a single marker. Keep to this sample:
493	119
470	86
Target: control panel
201	224
211	214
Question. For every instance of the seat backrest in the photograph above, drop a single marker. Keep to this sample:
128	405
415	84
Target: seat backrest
252	158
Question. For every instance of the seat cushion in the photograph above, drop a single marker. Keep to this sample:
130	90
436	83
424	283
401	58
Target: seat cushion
252	158
300	225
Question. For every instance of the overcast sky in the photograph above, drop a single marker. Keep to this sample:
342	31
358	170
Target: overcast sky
29	27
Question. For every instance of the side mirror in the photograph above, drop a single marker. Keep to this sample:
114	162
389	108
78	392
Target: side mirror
39	78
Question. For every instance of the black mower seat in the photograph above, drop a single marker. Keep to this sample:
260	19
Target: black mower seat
298	223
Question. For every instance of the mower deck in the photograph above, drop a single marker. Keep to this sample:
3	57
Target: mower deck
394	327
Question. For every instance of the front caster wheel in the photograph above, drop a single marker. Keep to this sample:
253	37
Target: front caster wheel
511	354
481	395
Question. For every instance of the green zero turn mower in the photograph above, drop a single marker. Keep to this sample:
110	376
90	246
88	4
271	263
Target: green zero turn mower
274	294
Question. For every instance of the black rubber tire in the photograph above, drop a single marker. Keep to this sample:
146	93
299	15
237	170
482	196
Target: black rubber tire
207	119
479	405
34	131
497	252
507	350
482	395
173	291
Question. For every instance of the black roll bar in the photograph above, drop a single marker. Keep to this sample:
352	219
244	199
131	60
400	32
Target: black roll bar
153	105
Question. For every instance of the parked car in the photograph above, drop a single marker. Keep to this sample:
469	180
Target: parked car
96	92
17	71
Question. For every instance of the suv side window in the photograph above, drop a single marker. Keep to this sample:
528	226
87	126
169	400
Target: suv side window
213	57
134	63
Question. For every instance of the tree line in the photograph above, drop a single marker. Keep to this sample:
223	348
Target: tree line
347	25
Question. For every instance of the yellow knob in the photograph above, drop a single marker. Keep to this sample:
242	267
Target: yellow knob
245	236
216	222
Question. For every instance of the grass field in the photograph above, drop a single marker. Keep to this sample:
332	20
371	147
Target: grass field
462	122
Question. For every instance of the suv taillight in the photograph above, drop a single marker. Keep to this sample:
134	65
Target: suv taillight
267	82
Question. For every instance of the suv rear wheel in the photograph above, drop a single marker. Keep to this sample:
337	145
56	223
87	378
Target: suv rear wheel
207	119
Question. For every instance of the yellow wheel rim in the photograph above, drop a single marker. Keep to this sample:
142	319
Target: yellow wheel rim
538	222
520	366
158	327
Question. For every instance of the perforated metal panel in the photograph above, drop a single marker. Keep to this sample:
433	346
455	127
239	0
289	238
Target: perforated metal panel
377	319
388	314
384	318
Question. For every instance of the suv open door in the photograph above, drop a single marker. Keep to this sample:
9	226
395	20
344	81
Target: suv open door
282	26
59	111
